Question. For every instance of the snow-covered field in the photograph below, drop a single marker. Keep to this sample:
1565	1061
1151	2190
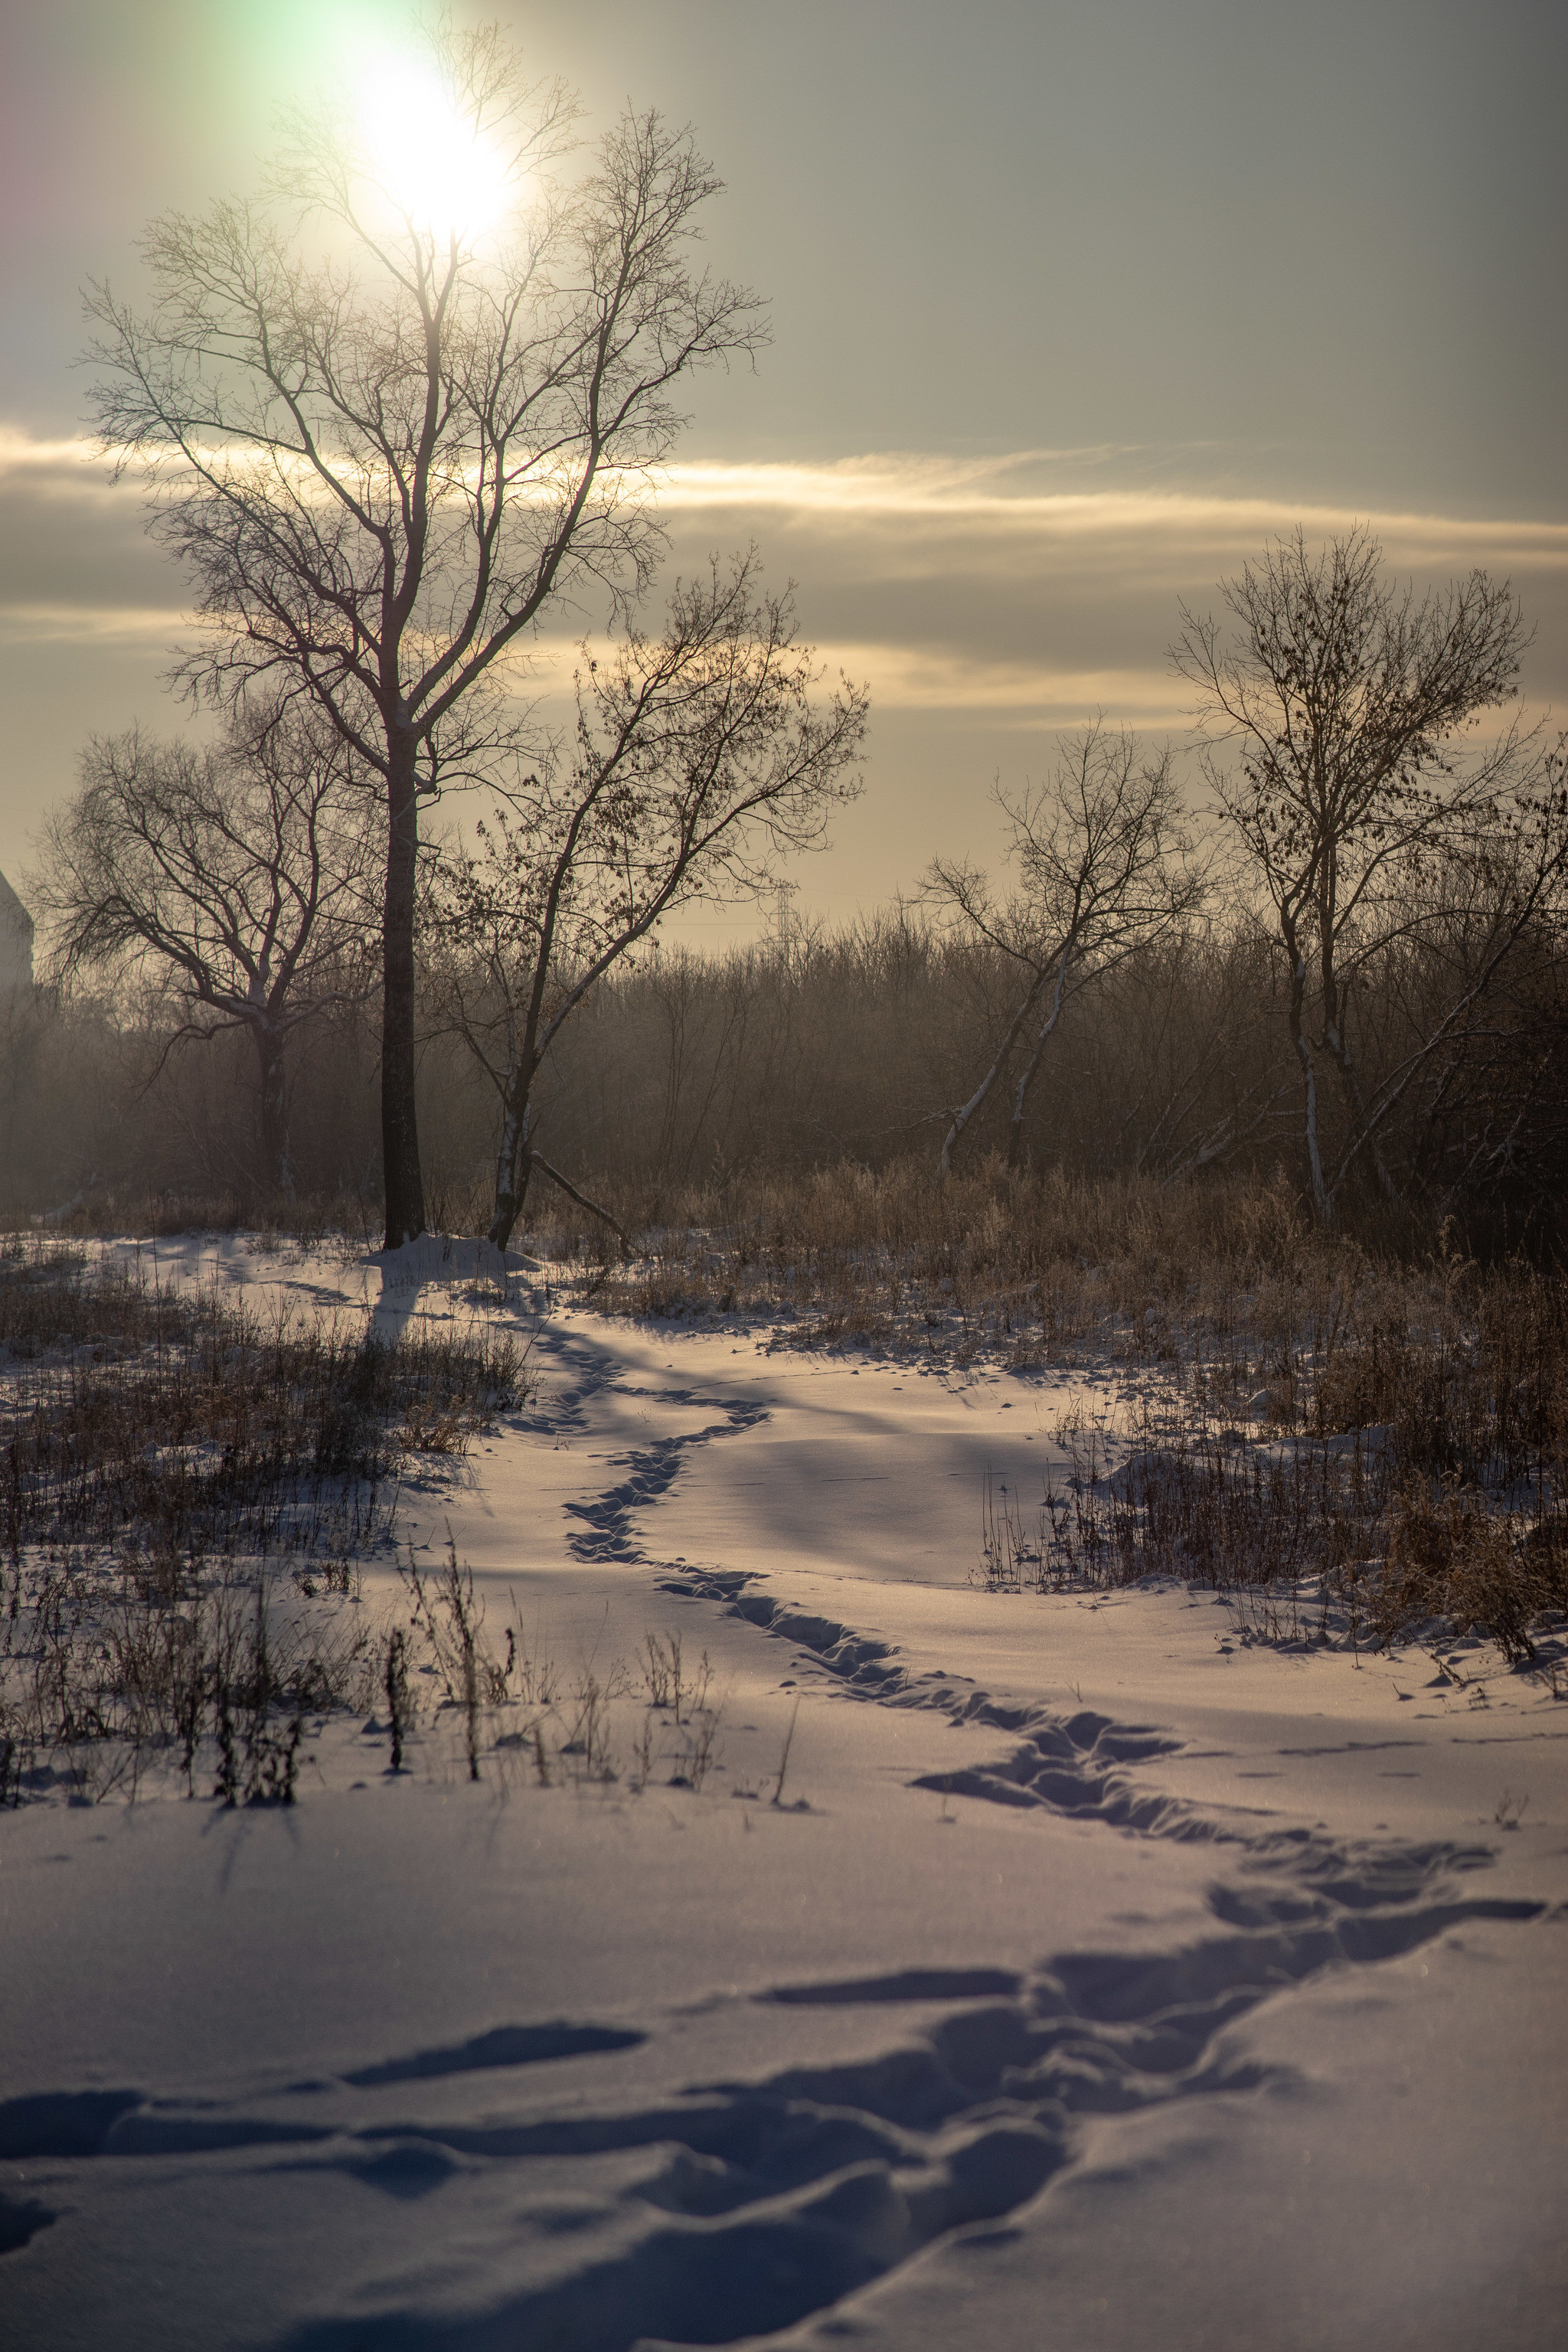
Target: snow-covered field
1101	1979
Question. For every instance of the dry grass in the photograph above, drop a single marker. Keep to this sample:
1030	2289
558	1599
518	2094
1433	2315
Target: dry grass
109	1664
992	1263
522	1717
180	1423
1358	1443
185	1491
156	1213
188	1492
1313	1540
1458	1561
1365	1441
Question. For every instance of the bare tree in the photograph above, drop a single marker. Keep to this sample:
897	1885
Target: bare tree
1345	700
237	878
381	436
1104	867
697	755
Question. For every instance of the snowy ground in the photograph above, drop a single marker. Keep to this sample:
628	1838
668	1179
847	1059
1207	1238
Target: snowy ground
1102	1980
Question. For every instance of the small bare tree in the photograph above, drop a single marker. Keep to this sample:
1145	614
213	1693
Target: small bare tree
1346	699
237	878
1104	867
388	413
697	755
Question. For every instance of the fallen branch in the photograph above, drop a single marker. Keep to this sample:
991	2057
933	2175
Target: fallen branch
544	1168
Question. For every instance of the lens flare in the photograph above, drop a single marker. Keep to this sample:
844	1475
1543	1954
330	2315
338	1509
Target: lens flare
445	175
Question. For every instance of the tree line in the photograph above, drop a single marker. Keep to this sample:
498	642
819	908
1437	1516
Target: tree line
687	1075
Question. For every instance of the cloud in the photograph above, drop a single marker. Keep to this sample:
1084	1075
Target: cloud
90	624
1023	693
982	586
22	453
987	601
1006	495
930	678
973	557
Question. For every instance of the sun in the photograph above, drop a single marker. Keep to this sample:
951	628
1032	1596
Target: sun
446	176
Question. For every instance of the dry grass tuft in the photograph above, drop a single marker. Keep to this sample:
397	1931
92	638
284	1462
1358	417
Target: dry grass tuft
1459	1562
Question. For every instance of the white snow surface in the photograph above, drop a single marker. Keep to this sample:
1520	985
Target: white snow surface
1103	1980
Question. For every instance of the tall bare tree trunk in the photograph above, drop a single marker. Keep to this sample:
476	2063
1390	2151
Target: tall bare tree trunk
1322	1199
274	1109
399	1117
514	1163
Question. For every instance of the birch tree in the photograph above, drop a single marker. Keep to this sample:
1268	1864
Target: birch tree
1102	867
389	411
235	879
1334	710
697	758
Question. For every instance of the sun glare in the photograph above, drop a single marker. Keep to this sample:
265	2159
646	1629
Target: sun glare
446	176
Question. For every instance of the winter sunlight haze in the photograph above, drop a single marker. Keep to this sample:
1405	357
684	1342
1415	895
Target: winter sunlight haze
784	1147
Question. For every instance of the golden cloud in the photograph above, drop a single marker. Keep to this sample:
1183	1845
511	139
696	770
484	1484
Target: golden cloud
968	585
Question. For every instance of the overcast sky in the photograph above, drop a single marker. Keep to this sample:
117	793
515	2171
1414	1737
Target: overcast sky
1072	305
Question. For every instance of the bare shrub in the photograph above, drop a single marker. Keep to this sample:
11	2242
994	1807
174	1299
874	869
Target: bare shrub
1457	1560
450	1618
707	1080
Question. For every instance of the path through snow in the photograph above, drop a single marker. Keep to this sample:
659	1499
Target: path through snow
1116	1984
